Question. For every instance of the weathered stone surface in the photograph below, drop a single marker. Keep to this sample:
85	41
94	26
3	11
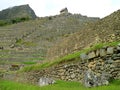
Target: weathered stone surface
73	75
92	80
118	47
92	65
97	53
95	71
102	52
91	55
110	50
110	61
43	81
116	57
83	56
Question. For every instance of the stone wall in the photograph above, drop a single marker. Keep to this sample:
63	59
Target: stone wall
101	61
104	61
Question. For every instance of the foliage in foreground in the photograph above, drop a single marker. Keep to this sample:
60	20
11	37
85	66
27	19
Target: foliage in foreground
68	57
60	85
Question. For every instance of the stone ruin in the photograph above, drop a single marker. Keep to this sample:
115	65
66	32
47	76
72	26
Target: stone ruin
95	68
64	11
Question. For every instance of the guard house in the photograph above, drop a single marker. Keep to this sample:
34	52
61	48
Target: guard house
64	11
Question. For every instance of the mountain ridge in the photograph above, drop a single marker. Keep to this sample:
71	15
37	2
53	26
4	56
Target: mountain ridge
17	12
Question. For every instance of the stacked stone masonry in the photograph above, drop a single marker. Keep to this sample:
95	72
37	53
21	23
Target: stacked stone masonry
105	60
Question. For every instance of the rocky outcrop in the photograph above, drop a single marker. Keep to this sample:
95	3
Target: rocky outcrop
17	12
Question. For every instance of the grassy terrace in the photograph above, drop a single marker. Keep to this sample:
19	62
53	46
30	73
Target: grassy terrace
59	85
67	57
19	57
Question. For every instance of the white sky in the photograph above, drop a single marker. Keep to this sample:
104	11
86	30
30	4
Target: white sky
94	8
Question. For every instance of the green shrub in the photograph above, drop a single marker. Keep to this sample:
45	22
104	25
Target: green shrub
3	23
22	19
13	21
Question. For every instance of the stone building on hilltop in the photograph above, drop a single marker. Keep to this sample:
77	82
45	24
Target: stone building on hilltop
64	11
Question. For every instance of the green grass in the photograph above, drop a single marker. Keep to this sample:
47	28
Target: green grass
25	43
68	57
59	85
29	63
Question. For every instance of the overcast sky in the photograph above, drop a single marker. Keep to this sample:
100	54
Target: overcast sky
95	8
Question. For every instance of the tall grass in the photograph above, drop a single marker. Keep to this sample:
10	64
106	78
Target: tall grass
59	85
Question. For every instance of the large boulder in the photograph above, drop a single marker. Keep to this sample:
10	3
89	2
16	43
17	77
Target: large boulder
43	81
92	80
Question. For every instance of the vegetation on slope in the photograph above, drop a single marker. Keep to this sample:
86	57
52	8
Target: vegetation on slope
37	36
59	85
69	57
105	30
16	14
13	21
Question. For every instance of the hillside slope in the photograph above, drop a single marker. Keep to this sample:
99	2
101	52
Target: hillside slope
29	41
17	12
105	30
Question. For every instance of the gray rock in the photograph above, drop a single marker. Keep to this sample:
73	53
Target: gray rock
43	81
91	55
110	50
118	46
92	80
83	56
110	61
73	75
97	53
88	78
102	52
116	56
105	82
